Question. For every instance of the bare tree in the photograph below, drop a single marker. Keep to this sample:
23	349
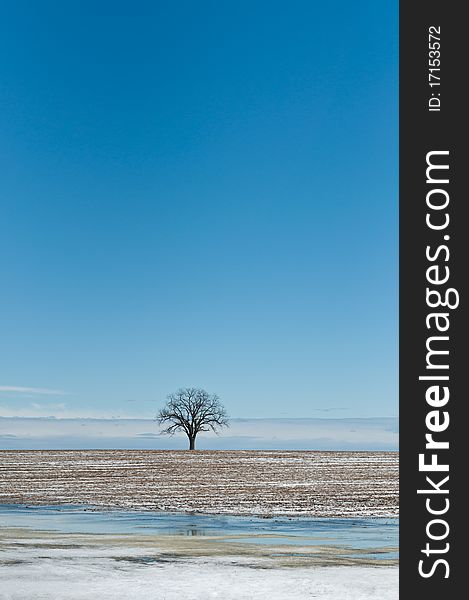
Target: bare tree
192	410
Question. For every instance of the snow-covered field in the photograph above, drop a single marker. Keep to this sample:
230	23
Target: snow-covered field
48	566
320	484
86	553
195	580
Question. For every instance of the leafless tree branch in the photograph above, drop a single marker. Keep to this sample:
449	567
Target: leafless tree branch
192	410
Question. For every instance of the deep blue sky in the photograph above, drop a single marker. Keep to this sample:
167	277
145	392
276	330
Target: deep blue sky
198	194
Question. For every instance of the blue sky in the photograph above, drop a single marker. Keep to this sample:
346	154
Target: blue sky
198	194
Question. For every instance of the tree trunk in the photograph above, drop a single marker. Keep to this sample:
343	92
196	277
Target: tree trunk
192	442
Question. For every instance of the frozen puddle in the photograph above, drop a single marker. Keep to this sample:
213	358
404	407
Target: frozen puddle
76	553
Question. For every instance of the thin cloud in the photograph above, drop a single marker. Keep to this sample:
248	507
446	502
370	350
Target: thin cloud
56	406
17	389
57	410
267	434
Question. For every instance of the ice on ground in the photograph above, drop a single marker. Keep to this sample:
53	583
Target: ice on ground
76	553
41	565
126	577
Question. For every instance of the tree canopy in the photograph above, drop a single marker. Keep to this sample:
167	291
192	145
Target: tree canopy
192	410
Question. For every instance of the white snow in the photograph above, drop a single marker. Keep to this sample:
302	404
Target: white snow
196	579
78	567
302	483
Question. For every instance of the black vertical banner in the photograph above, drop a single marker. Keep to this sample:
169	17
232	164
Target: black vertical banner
434	267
